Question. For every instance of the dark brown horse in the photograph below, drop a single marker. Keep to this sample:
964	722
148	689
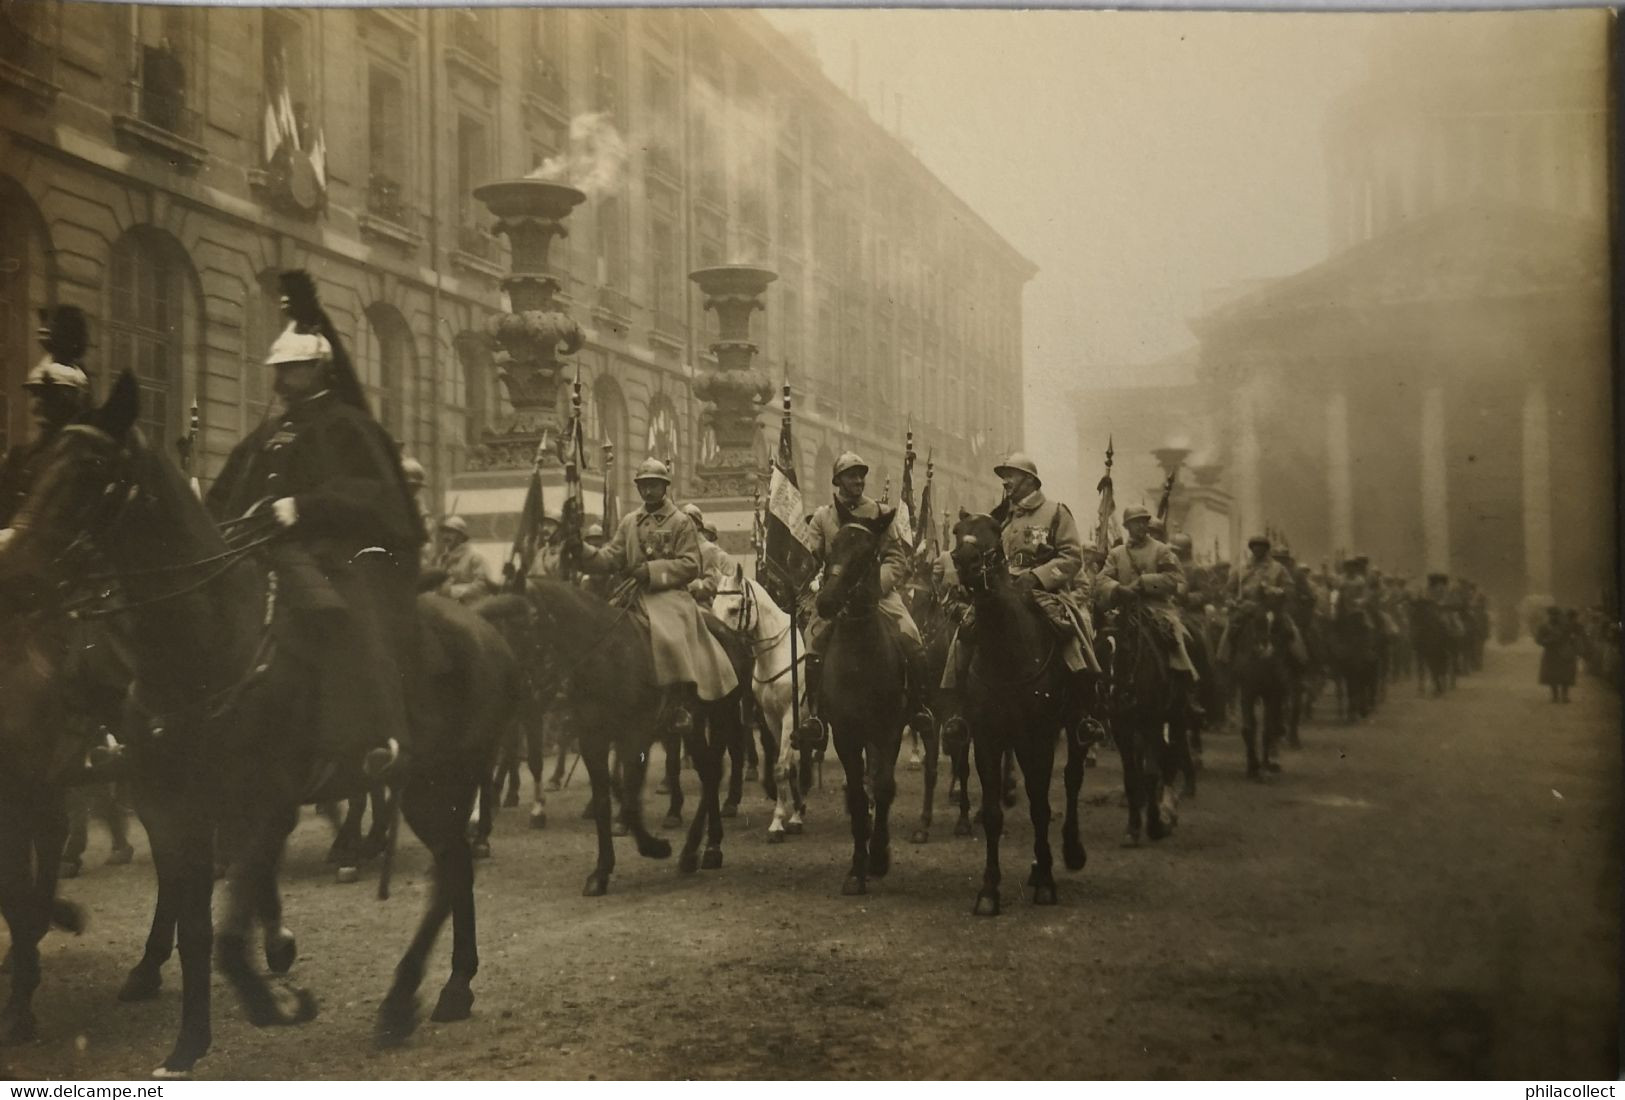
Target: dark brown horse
1260	665
1017	699
1144	698
219	723
861	696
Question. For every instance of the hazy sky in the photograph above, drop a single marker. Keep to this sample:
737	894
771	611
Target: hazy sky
1141	160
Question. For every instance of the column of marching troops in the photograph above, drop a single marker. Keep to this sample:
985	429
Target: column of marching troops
336	484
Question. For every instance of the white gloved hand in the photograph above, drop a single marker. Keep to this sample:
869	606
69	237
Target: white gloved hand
285	511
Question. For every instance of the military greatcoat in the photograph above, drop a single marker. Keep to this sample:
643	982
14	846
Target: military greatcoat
684	650
894	567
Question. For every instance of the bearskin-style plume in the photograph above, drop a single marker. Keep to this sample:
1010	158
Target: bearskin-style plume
64	333
304	309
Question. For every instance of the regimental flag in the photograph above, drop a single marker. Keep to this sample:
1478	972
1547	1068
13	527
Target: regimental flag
574	455
1106	528
612	500
788	562
904	523
926	531
532	531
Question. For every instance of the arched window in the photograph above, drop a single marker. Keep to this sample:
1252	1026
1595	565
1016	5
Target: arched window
388	367
661	440
151	325
24	289
606	423
473	396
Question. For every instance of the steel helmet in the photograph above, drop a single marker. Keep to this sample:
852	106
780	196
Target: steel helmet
413	471
849	460
455	523
652	469
1019	461
692	511
1134	512
294	346
595	531
1259	540
1181	542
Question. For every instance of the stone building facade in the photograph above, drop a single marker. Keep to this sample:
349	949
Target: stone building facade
162	164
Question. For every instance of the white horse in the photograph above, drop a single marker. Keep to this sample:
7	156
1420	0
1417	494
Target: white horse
746	607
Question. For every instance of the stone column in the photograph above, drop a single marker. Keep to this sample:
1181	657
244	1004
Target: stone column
1537	491
1339	474
1249	489
1435	482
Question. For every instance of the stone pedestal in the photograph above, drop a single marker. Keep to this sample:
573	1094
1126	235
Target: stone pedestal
726	483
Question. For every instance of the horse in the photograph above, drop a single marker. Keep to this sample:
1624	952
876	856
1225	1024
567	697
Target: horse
1144	696
44	680
1018	696
1435	646
947	732
1353	649
219	724
861	695
748	609
1263	672
592	661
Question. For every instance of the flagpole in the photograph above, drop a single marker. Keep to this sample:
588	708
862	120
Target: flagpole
795	601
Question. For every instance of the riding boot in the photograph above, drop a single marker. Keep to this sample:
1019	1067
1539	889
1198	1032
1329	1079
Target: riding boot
812	732
920	718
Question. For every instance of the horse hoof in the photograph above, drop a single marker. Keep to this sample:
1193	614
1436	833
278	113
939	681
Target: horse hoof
879	862
68	869
182	1059
673	821
17	1026
597	886
688	863
1156	830
962	827
654	848
280	951
712	860
987	904
481	849
120	856
347	875
920	836
854	886
538	819
554	783
1044	894
730	809
620	828
456	1002
67	916
793	828
397	1019
1073	853
776	836
510	800
141	984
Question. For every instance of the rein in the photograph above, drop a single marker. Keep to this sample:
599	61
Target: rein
760	647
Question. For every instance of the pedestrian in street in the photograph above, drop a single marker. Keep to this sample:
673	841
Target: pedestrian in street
1560	653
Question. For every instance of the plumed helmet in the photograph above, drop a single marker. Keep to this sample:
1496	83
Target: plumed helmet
455	523
1021	462
1134	512
849	460
413	471
294	346
652	469
65	335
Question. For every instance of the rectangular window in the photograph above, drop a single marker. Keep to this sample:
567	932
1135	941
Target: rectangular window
612	262
544	70
386	145
663	248
167	63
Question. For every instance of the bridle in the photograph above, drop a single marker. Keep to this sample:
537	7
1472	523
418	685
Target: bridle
748	620
870	561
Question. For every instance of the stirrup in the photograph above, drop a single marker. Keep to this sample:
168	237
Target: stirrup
380	760
811	734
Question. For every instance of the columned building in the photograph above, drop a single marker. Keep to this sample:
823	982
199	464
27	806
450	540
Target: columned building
1437	395
159	166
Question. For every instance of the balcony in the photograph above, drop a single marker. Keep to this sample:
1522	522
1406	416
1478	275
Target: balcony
387	215
614	309
668	332
159	118
27	58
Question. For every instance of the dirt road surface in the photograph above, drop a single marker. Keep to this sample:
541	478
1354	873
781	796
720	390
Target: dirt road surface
1435	893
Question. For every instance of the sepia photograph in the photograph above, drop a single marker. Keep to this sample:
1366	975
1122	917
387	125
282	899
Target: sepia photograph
666	544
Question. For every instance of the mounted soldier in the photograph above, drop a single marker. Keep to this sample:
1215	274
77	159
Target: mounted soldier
849	477
58	390
1264	580
655	554
716	564
348	562
1143	568
467	577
